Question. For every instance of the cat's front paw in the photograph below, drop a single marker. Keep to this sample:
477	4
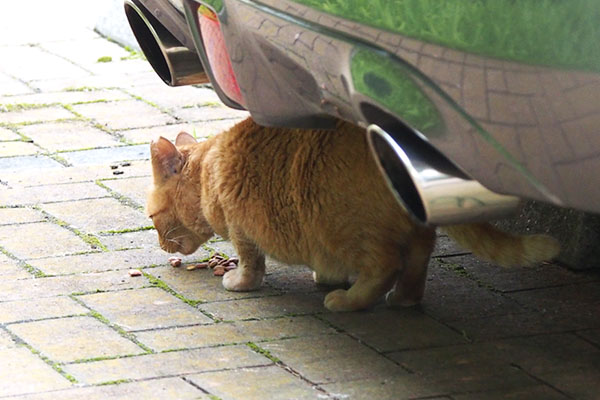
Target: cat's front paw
338	301
238	280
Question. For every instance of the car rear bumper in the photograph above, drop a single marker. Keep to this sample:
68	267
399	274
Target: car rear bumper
519	129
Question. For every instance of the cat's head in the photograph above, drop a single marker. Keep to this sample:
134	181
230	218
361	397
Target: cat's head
172	206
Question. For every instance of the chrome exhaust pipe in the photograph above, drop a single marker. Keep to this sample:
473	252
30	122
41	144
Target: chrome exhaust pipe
173	62
429	186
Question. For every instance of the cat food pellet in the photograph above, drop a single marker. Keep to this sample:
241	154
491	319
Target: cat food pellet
230	266
219	271
192	267
213	263
175	261
135	272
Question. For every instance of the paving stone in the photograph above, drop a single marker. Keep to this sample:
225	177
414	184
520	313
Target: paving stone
397	388
147	134
120	80
40	239
265	307
449	297
22	163
545	354
7	134
210	113
471	371
592	336
332	358
6	341
63	285
285	327
12	86
201	285
517	279
581	383
97	215
530	392
36	115
61	339
34	309
52	23
270	382
166	364
23	62
292	278
440	382
189	337
101	261
10	149
22	372
132	67
107	156
124	114
51	193
68	135
86	52
528	323
28	178
67	97
144	309
134	188
167	388
146	239
230	333
444	246
10	270
388	330
577	294
20	216
176	97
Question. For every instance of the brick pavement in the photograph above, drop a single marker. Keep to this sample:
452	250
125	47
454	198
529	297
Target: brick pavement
74	324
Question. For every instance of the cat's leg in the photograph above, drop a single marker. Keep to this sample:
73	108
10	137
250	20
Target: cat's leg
370	286
251	267
331	277
410	286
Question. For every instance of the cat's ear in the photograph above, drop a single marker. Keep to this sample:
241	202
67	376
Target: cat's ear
166	160
184	138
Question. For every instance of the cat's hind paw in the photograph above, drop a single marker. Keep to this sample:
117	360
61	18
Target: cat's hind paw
238	281
338	301
395	299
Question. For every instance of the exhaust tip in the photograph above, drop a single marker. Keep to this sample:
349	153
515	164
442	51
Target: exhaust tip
174	63
395	166
429	186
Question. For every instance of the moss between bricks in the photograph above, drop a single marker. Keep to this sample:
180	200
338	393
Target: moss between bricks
117	328
157	282
262	351
29	268
54	365
123	200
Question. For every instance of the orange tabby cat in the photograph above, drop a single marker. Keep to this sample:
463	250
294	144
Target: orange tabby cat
311	197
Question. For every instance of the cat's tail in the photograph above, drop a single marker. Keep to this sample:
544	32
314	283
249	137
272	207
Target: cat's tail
502	248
